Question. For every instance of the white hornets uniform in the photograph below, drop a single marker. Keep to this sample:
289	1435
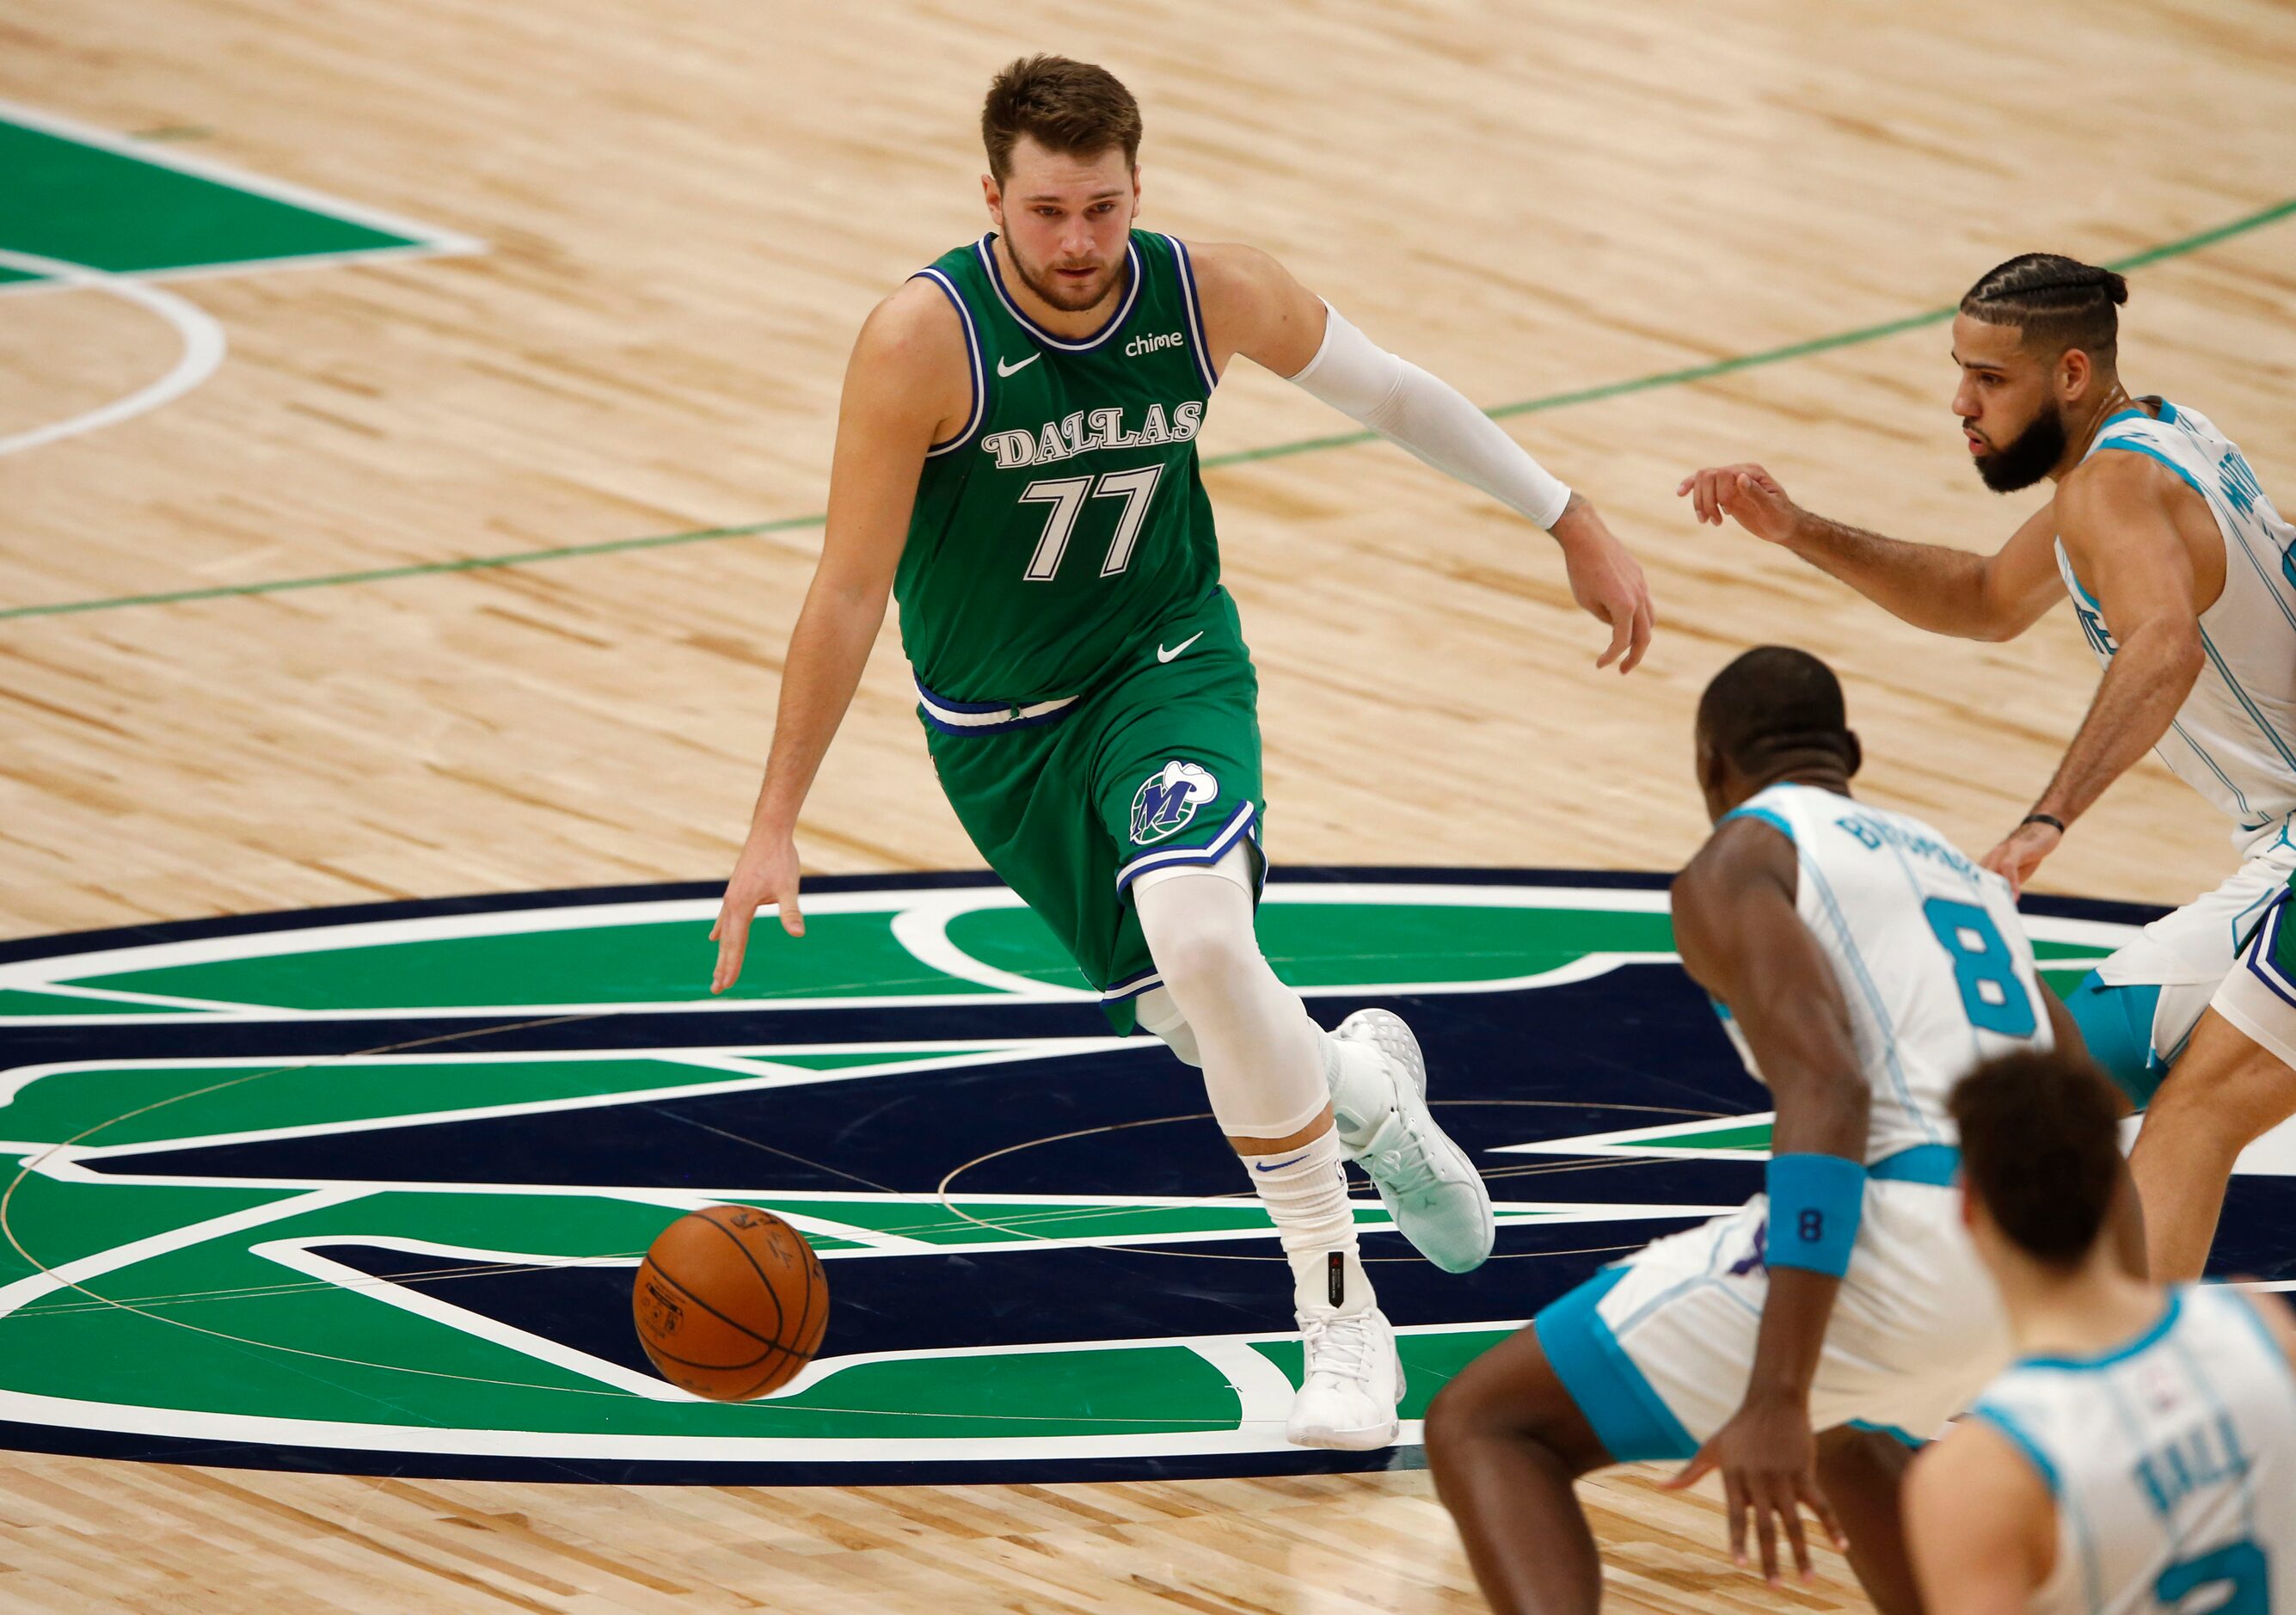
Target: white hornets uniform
2172	1462
2233	739
1937	976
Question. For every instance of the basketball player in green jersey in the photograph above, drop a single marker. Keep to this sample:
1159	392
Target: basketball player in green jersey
1016	463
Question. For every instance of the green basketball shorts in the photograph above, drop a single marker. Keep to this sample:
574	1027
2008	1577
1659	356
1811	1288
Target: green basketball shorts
1156	767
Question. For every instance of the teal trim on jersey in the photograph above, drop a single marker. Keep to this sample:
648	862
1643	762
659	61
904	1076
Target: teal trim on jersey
2138	446
1936	1165
2073	578
2121	1353
1817	1202
1627	1416
2116	1024
2018	1436
1904	1438
1770	816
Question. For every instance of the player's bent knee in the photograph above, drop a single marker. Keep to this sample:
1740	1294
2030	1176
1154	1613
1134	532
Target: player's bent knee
1161	1017
1512	1393
1199	936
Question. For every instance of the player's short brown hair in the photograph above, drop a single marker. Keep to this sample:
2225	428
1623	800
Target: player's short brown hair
2040	1149
1074	108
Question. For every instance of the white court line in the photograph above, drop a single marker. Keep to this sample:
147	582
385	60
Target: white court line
203	347
298	1255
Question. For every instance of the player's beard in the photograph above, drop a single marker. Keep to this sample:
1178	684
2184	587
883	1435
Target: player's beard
1060	297
2029	457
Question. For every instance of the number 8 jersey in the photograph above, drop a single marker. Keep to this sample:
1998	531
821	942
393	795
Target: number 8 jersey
1066	519
1927	948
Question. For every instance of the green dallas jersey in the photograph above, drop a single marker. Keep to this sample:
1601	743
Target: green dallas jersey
1067	519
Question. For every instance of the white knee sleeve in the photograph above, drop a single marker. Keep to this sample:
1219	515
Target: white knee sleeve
1262	1059
1157	1013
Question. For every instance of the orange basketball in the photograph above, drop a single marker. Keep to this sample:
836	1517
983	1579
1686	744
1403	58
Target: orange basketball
730	1303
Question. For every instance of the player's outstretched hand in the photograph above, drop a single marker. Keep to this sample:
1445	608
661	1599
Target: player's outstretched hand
2020	853
1747	494
766	873
1768	1459
1607	582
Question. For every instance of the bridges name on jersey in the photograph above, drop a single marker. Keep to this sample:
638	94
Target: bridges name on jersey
1086	431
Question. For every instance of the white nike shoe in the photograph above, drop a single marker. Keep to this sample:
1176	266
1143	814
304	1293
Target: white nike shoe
1430	1188
1353	1382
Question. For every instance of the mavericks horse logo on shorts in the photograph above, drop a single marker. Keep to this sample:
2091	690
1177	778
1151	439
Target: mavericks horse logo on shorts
1168	798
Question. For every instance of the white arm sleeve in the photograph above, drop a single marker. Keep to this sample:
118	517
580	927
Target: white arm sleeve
1429	417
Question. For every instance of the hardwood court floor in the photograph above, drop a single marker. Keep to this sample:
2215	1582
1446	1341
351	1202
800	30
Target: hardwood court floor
687	211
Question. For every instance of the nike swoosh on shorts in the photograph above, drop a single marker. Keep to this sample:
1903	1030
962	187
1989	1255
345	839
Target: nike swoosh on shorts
1164	655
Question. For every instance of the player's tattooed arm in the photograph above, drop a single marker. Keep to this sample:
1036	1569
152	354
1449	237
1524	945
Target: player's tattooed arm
2119	518
1944	590
906	387
1742	938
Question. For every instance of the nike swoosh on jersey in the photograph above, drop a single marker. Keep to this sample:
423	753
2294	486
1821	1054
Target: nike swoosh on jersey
1002	369
1164	655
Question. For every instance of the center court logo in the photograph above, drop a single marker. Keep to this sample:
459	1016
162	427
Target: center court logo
367	1189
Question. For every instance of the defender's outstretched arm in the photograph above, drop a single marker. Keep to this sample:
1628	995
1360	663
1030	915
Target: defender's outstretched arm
2121	530
906	384
1945	590
1253	307
1740	939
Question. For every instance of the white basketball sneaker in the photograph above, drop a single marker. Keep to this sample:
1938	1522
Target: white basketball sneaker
1430	1188
1354	1379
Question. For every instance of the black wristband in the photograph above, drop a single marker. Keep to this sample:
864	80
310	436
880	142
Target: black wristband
2050	819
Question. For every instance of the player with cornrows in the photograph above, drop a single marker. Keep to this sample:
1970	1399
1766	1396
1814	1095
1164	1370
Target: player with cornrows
1016	464
2178	569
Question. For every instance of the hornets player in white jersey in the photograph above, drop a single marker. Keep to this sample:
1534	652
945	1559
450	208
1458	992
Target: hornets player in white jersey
2139	1458
1863	965
2179	570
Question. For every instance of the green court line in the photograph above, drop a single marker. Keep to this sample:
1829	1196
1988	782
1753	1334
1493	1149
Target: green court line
1707	371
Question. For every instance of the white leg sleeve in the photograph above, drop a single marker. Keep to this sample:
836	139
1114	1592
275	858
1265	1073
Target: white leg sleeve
1263	1059
1157	1013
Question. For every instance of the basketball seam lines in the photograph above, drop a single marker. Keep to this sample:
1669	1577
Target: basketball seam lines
781	1315
688	1291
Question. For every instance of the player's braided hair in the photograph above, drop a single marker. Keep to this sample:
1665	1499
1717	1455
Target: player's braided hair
2058	301
2040	1150
1074	108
